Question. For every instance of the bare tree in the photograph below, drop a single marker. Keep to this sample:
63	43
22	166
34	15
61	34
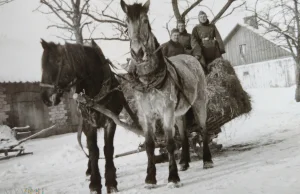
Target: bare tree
225	8
109	16
192	4
280	20
70	14
75	16
2	2
182	16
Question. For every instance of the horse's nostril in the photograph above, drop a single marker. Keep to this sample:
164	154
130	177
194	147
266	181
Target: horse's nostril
137	55
140	54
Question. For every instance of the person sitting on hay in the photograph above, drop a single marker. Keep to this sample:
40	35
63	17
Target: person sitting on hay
184	37
173	47
206	41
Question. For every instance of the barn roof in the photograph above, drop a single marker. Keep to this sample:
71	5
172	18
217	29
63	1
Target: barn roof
261	32
18	78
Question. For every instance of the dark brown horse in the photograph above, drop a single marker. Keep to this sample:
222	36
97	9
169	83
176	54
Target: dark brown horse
162	95
85	69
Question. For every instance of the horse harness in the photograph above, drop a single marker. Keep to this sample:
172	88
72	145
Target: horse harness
105	90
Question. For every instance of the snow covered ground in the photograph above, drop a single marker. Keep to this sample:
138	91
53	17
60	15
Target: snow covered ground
261	155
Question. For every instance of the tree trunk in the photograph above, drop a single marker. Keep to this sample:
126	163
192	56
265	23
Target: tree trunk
297	93
78	36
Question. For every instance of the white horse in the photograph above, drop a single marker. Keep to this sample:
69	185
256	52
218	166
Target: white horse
161	97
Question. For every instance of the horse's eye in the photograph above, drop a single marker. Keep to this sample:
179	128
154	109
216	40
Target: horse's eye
145	21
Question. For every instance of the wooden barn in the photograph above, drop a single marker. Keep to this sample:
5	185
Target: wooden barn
21	105
258	60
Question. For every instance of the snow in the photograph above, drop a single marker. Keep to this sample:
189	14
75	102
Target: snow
6	134
261	155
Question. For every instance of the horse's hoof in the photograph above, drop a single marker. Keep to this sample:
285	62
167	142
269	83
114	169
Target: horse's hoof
183	167
207	165
172	185
94	192
112	190
150	186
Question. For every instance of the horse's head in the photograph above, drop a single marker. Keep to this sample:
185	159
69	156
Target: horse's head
142	42
57	74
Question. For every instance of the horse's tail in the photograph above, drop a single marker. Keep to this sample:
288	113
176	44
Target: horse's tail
132	115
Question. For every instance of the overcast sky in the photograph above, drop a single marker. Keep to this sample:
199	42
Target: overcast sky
21	30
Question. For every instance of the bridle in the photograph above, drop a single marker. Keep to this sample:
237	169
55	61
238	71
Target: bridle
145	48
58	89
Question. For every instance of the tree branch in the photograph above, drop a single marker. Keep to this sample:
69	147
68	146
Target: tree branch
60	27
233	9
56	13
190	8
291	48
60	8
279	30
167	25
84	6
2	2
105	21
84	24
298	27
176	10
222	11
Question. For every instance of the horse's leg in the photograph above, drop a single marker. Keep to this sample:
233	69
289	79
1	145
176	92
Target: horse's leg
93	169
200	112
185	151
169	127
150	147
89	170
85	130
110	170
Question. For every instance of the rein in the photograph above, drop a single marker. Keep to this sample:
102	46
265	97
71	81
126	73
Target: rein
56	87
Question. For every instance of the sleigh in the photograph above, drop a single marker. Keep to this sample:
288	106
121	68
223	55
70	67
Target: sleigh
14	149
226	101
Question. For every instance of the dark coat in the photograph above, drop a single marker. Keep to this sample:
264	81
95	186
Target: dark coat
171	48
185	41
207	42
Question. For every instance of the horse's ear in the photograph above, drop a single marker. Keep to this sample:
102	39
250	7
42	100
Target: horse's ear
124	6
94	44
44	44
147	5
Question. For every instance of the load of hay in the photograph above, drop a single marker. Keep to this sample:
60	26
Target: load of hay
227	99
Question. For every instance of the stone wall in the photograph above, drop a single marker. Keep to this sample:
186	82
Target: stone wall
21	105
4	106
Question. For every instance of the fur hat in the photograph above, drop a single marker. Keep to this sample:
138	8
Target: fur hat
201	13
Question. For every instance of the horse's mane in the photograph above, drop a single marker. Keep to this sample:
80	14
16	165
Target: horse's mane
87	61
76	56
46	54
134	11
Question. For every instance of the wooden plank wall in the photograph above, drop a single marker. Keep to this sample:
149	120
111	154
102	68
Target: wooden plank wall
273	73
258	48
27	108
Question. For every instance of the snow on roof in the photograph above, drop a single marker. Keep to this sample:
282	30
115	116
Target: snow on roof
260	31
18	78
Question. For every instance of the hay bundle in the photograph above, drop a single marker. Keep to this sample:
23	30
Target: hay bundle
227	99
